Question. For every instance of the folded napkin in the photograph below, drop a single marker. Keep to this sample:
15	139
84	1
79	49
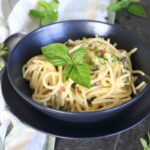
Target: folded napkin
14	135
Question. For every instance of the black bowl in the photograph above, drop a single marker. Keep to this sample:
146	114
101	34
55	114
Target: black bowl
31	45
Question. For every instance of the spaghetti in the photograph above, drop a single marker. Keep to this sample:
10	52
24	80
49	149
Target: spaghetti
112	78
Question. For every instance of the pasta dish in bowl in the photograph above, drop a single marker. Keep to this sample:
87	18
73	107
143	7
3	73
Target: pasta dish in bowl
112	77
68	73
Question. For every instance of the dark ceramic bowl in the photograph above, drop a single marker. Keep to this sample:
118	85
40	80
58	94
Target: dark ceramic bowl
30	46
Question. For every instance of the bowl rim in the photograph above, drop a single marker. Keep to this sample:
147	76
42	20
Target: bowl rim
48	109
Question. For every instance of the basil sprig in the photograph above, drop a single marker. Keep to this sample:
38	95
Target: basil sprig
75	68
145	143
132	6
46	12
3	50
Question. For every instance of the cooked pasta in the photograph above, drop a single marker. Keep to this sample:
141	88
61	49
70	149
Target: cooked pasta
112	78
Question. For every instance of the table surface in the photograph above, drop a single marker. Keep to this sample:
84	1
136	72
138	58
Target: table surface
128	140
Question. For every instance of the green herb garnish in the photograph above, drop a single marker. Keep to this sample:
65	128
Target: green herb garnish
3	50
144	143
137	10
78	57
131	6
46	12
75	68
57	54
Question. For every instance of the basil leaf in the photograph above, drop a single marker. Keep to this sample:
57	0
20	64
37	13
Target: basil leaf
48	6
144	143
2	63
119	5
49	16
36	14
80	73
1	46
67	71
43	5
54	5
3	50
137	10
57	54
148	134
79	55
3	53
46	12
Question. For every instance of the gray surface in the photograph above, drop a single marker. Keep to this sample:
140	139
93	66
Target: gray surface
128	140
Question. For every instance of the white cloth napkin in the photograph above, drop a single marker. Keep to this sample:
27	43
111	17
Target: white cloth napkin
14	17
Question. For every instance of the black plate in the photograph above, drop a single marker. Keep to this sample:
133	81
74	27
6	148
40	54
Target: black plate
38	120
